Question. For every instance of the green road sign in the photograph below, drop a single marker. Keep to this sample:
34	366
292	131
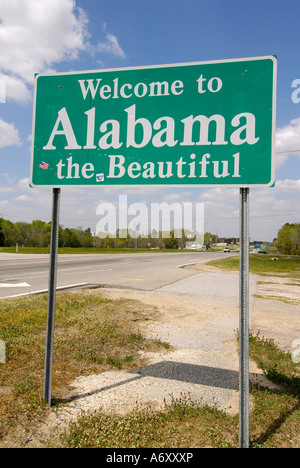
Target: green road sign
194	124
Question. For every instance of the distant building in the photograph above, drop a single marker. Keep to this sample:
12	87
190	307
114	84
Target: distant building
193	246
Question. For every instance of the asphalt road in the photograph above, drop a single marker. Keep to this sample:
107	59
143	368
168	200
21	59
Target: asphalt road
22	274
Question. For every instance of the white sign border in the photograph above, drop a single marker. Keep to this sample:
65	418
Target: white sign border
170	65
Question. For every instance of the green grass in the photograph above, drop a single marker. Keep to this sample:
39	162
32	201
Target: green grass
92	334
182	423
276	412
262	264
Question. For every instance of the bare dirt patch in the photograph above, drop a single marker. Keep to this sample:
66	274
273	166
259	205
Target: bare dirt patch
281	288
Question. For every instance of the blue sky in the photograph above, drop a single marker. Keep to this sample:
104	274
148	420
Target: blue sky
65	35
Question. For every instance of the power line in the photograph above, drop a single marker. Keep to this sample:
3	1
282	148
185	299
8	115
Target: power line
206	218
257	216
291	151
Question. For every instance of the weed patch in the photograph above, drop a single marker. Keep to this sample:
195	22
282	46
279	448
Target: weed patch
262	265
92	335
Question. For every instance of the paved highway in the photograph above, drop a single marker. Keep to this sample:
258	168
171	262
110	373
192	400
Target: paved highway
22	274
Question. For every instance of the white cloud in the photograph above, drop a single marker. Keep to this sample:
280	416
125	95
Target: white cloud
6	189
288	186
265	203
8	134
220	194
34	36
111	46
37	34
180	197
287	141
15	88
23	198
270	208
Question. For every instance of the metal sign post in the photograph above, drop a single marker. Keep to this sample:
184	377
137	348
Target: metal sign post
244	320
51	296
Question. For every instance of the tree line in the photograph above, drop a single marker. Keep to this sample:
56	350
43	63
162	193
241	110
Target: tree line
288	242
38	233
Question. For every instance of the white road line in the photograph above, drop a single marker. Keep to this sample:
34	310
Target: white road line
61	270
133	279
43	291
21	275
14	285
89	271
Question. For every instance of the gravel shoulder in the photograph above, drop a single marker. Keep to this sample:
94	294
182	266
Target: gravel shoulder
198	317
